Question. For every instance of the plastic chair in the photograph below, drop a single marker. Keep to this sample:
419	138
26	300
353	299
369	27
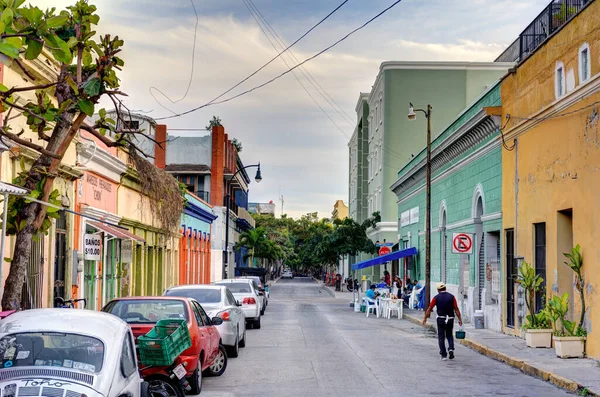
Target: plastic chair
413	301
395	306
370	305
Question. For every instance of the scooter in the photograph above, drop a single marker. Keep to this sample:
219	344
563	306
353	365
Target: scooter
352	285
166	381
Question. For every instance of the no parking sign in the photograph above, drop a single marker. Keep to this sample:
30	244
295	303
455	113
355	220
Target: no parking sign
462	243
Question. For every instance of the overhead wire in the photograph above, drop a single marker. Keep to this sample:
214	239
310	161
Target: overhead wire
215	102
252	13
311	79
191	69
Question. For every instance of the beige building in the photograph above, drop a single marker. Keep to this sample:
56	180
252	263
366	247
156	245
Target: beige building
340	210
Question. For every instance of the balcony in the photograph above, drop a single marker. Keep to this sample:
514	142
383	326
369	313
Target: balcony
245	220
553	17
204	195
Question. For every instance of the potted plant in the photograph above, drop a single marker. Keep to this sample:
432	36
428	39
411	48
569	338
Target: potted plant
568	338
538	332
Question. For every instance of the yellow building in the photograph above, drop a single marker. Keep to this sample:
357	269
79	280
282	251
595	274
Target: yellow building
50	269
551	161
340	211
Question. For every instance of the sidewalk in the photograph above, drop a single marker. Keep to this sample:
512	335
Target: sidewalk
336	294
575	375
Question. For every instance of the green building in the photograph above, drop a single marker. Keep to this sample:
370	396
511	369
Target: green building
466	209
384	140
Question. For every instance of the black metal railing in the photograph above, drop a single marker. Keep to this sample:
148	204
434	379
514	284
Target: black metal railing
555	15
203	195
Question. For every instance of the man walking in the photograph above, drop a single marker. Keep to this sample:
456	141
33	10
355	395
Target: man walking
446	308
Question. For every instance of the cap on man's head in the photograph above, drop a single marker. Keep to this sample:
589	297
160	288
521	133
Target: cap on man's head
441	286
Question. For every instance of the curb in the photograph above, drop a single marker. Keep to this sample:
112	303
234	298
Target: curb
523	366
329	290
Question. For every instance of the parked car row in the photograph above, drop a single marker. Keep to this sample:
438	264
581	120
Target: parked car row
86	353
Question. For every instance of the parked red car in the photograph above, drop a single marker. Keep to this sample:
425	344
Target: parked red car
206	353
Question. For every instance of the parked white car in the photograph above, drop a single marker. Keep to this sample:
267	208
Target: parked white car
287	274
218	301
262	293
73	352
246	293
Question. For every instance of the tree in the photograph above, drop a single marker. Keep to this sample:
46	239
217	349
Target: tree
88	68
237	144
253	240
214	122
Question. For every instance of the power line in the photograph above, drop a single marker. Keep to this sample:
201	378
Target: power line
293	73
191	71
214	102
324	94
261	68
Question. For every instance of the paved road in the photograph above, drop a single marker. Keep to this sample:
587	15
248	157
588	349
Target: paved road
313	345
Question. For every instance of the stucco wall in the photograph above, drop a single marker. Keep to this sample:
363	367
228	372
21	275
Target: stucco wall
189	150
554	166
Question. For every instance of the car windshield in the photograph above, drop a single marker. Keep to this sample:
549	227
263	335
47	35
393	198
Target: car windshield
238	288
199	294
52	349
147	311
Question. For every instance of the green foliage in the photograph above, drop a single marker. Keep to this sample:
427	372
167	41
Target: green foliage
558	307
576	263
214	122
16	220
237	145
531	283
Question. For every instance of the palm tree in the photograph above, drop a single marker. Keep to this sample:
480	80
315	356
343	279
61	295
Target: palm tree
254	241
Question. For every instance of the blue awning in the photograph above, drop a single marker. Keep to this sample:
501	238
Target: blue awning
385	258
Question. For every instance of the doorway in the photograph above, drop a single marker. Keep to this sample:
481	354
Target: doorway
511	274
480	241
540	263
60	256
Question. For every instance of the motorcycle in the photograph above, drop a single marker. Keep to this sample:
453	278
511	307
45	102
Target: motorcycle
166	381
352	285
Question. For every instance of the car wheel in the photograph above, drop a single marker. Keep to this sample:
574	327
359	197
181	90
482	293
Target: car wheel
219	364
234	351
196	379
256	324
243	341
262	312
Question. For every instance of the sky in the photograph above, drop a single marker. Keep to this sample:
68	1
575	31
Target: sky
303	154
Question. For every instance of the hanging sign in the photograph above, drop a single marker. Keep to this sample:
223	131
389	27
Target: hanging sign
126	251
414	215
384	250
462	243
92	247
405	218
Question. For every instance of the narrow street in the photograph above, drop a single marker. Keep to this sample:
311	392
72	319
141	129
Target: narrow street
311	344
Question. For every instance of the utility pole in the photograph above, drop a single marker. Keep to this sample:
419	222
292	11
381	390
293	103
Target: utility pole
281	199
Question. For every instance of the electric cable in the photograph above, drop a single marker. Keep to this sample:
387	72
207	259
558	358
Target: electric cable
215	102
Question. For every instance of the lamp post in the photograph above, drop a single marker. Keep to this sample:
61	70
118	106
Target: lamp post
412	116
257	178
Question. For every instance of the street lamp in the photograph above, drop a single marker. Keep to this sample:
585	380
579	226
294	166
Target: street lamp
413	116
258	179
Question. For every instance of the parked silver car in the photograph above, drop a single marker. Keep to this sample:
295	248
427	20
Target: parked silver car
246	292
218	301
262	291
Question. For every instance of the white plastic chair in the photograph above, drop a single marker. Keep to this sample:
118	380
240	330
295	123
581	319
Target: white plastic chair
395	306
413	301
370	305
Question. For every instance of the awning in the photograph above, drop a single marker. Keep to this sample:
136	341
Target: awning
385	258
12	189
115	231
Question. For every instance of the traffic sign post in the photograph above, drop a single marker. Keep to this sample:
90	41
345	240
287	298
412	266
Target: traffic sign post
384	250
462	243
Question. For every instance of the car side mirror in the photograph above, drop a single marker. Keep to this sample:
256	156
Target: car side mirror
261	293
238	303
216	321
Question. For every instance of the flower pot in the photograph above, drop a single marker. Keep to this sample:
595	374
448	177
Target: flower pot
569	346
538	337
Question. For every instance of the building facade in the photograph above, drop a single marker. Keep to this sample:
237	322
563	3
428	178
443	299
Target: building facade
393	140
465	200
550	109
209	166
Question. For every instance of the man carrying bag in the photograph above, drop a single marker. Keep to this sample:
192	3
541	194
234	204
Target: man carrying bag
447	307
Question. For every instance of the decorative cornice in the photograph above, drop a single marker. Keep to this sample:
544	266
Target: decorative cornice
198	212
469	135
571	98
101	157
482	151
63	169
